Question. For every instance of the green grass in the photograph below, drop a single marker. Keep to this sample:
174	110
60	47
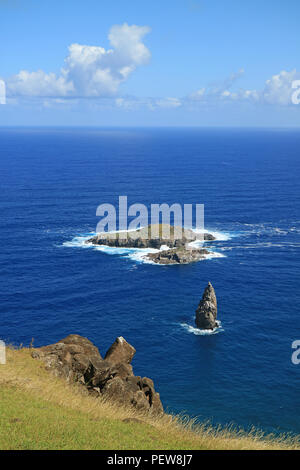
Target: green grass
27	422
40	411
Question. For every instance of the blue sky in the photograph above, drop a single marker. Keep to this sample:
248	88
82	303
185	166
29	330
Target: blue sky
141	62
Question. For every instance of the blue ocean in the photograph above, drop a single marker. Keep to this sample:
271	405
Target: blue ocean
52	284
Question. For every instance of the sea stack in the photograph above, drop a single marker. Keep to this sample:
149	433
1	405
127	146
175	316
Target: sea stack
206	313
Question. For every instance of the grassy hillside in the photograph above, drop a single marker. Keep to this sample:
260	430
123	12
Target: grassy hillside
39	411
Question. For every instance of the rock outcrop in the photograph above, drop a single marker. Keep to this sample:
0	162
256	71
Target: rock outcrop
177	256
206	313
120	352
78	360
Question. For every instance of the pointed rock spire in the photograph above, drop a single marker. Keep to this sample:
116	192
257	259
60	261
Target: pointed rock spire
120	351
206	313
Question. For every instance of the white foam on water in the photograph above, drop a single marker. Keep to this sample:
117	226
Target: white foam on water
198	332
260	245
280	231
214	254
266	229
111	250
164	247
219	236
79	242
136	254
140	256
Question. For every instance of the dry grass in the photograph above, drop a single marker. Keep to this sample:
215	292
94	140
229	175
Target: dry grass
41	401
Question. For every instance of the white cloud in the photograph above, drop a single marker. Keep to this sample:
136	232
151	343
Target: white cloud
233	78
95	72
240	95
127	103
38	84
89	71
167	103
226	93
150	103
198	95
127	41
279	89
2	92
250	95
218	91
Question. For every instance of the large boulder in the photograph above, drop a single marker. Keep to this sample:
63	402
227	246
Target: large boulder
78	360
206	313
74	357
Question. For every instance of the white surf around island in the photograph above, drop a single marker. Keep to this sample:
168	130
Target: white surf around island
199	332
139	255
219	236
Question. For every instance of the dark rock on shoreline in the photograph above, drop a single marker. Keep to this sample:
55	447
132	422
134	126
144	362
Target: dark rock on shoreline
78	360
206	313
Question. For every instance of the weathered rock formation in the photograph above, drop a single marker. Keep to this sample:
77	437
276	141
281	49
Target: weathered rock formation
206	313
156	236
177	256
78	360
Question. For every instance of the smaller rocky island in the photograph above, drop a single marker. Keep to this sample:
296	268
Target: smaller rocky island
178	256
206	313
175	239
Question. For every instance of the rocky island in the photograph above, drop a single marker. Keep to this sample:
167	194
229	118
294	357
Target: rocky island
175	240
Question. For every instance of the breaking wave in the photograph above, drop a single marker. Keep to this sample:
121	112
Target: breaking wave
219	236
198	332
